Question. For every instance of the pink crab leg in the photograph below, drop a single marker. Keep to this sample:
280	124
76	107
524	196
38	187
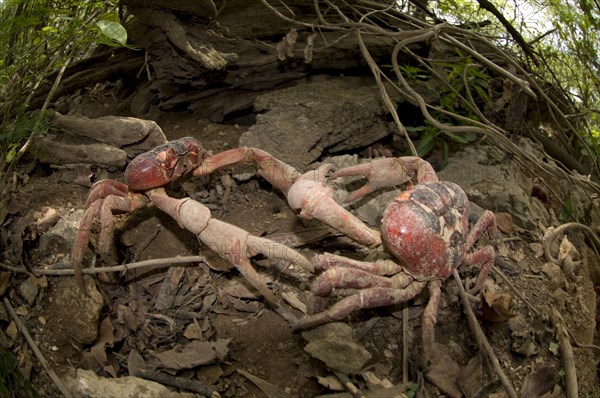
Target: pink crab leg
278	173
229	241
388	172
103	188
108	196
429	318
305	192
104	208
381	267
367	298
487	222
485	255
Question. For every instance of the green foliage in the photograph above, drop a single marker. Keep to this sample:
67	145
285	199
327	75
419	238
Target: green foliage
12	382
18	129
37	37
565	35
464	81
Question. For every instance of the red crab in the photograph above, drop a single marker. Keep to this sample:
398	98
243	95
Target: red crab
149	172
425	228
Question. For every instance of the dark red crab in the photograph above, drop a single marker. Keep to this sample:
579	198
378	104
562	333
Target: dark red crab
426	229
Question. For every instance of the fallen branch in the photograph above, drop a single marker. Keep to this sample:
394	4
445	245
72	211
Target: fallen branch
484	345
566	354
551	236
516	291
157	262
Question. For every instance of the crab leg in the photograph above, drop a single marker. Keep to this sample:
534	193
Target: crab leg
105	197
229	241
429	318
279	174
307	192
388	172
368	298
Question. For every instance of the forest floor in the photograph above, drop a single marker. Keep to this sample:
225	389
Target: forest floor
236	344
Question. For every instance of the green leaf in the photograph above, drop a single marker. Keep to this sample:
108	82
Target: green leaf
462	139
566	213
426	143
114	30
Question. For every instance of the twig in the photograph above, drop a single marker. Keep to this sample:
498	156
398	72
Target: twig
53	376
577	344
383	92
552	235
147	242
516	291
405	344
178	382
157	262
566	354
481	340
345	380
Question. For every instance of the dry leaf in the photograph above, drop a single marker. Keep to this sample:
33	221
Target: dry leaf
12	331
269	389
4	282
331	382
444	372
292	299
83	175
495	307
192	331
567	249
539	382
505	223
375	382
196	353
308	50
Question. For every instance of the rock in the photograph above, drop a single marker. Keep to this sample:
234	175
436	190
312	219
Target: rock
334	344
29	289
50	151
129	133
339	330
555	274
59	239
299	124
105	141
85	383
495	184
345	356
72	313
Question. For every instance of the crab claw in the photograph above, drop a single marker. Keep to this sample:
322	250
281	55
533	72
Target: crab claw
230	242
388	172
314	199
306	193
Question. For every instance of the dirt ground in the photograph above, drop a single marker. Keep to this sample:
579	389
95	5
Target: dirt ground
216	306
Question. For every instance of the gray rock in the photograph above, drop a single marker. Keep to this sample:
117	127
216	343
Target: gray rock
129	133
345	356
495	184
334	344
324	115
50	151
29	290
59	239
85	383
339	330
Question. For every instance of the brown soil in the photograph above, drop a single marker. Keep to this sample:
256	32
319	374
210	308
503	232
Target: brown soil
261	341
